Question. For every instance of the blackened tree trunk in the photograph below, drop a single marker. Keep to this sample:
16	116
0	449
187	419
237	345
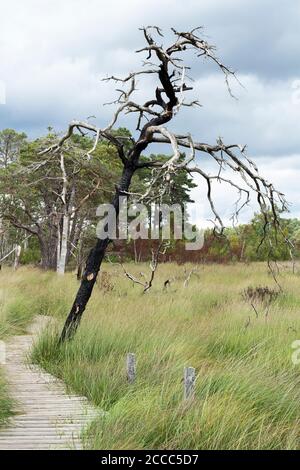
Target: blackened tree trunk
130	165
92	266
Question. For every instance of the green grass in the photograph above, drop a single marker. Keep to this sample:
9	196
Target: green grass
247	390
21	298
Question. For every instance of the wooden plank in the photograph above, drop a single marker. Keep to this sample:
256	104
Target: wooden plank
48	417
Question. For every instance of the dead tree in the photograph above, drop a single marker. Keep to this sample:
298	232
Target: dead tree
147	283
166	64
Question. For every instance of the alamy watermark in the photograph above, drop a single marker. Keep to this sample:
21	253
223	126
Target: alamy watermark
154	222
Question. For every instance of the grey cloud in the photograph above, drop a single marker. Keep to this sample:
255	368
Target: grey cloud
51	48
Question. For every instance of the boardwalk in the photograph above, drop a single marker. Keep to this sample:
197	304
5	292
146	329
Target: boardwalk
46	417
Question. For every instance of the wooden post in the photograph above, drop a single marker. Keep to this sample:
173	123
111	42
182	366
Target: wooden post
131	367
189	377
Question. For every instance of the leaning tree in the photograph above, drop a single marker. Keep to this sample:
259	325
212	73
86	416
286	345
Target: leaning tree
173	81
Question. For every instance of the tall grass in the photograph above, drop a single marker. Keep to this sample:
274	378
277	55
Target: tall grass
247	390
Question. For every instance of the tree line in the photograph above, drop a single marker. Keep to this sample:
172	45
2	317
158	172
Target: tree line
50	202
49	206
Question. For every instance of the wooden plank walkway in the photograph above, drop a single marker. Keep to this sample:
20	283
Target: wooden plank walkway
46	417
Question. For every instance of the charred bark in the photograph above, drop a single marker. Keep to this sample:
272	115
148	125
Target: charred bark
88	280
92	267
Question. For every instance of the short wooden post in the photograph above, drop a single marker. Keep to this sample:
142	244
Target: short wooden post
189	376
131	367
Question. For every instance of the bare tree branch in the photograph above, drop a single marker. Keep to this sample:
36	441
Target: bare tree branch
155	254
167	66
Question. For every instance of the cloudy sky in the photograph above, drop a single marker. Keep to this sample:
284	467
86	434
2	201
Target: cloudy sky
54	53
